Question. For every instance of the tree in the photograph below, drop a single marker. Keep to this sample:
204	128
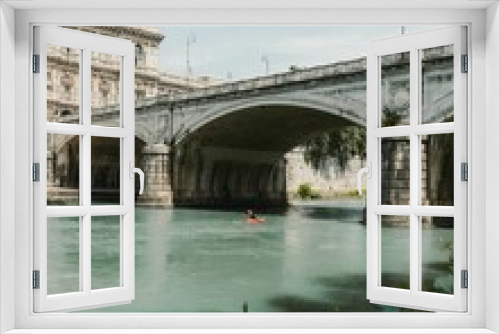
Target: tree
341	144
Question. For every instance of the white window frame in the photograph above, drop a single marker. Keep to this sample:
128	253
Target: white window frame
414	44
125	131
483	308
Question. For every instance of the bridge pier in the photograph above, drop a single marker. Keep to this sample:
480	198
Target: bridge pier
51	159
437	175
223	177
395	172
157	188
62	176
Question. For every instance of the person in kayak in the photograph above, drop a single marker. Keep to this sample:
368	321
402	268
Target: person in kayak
252	218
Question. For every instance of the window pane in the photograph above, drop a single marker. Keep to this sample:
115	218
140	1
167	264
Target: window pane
63	255
437	84
105	252
395	89
437	169
105	89
395	247
105	170
395	170
437	254
63	84
63	169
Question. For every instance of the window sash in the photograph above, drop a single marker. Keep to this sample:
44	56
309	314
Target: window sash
86	297
414	298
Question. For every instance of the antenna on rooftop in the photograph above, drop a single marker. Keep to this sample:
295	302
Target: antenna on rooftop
265	60
191	39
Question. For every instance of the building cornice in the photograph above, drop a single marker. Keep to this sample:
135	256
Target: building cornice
140	32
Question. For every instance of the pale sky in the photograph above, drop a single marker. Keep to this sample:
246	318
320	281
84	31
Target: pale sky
236	52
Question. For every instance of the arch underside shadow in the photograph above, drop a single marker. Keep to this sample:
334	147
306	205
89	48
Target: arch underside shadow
63	169
238	159
295	106
276	128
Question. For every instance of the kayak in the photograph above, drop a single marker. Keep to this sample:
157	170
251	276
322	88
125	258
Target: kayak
255	220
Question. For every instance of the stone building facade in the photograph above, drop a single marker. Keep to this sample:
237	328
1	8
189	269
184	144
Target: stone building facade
64	101
63	74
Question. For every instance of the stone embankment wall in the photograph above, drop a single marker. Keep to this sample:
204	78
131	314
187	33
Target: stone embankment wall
330	181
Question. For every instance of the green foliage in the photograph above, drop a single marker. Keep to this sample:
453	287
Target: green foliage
341	144
355	193
390	117
305	191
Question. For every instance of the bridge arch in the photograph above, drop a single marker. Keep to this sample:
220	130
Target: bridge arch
349	109
234	154
146	133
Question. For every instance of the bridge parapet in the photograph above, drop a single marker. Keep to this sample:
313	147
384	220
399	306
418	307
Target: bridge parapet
327	85
271	81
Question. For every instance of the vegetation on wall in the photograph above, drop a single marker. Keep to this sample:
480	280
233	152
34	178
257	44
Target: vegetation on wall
341	144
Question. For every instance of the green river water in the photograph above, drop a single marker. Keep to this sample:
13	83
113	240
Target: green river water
310	257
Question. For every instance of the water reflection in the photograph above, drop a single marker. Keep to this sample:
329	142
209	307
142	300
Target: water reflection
301	260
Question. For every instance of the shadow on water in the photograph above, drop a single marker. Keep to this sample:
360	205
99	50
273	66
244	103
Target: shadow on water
345	293
272	210
438	266
329	213
307	209
323	209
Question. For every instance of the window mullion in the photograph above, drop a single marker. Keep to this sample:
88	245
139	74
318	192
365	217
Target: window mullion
86	121
392	210
109	210
434	128
392	131
66	129
86	168
109	132
414	170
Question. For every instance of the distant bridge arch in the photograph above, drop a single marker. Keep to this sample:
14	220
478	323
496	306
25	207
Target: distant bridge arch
350	110
234	154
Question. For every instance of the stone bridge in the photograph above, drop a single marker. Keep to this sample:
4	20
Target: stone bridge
225	144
